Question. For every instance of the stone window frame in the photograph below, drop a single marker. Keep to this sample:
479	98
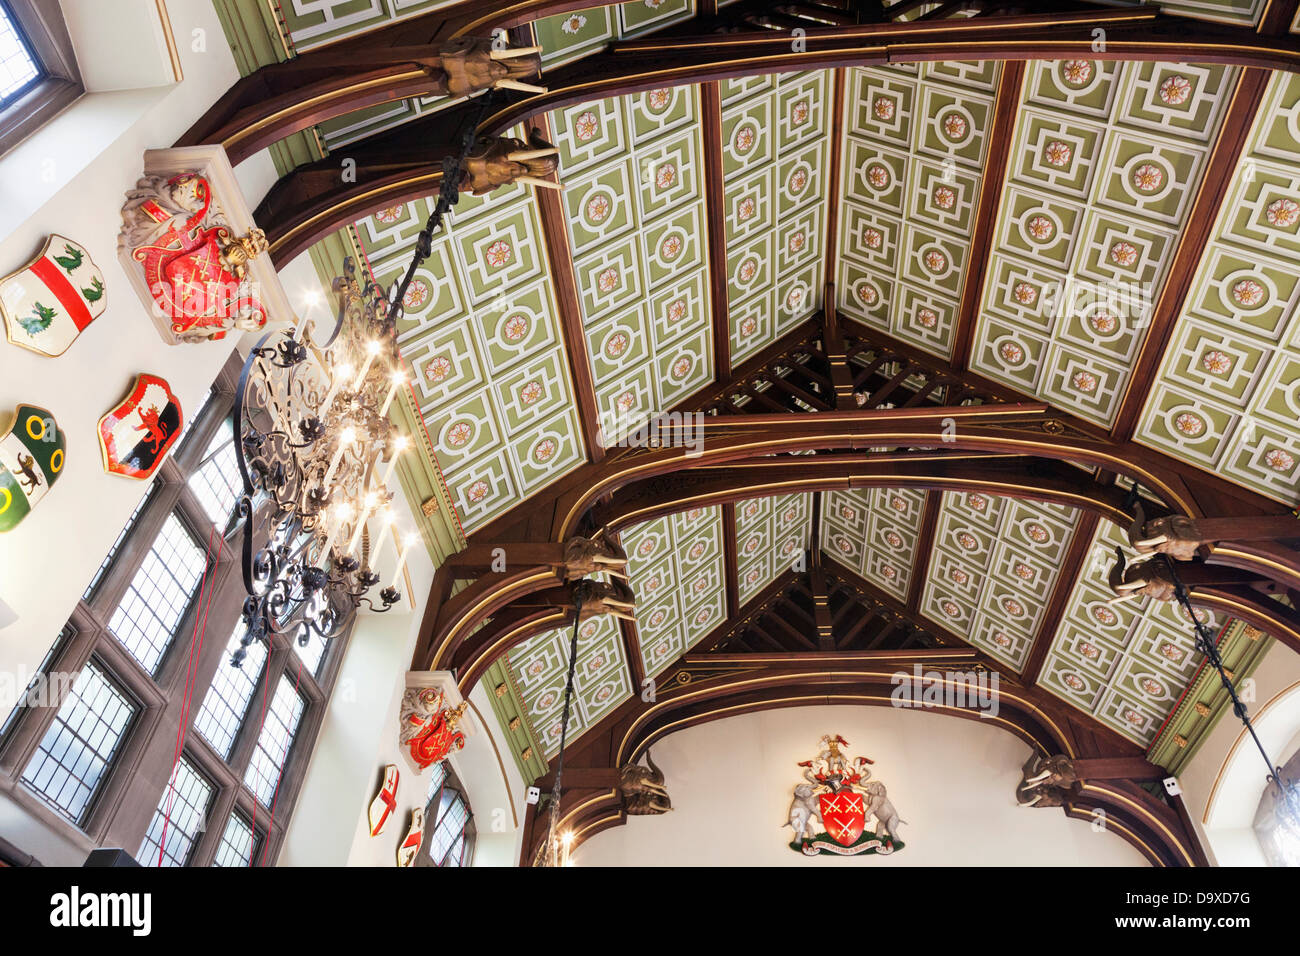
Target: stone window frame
127	797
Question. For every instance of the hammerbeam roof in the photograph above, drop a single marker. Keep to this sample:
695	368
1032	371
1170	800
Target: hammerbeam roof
1082	254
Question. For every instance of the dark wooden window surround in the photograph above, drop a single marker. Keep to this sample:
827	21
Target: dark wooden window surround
46	35
125	804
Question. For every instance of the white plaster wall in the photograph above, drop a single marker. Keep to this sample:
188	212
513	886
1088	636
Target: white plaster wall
1223	783
96	150
952	780
359	737
71	177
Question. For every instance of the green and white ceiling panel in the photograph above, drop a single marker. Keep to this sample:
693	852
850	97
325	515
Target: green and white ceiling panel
993	568
1241	12
875	532
1227	397
1104	169
570	36
771	537
915	145
676	566
1125	664
634	194
775	154
484	346
539	669
308	24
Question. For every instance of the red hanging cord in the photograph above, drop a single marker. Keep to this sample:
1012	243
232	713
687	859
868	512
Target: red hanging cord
196	646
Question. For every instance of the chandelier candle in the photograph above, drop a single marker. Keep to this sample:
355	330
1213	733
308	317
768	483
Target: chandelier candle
399	379
343	371
347	437
371	501
372	349
398	447
401	561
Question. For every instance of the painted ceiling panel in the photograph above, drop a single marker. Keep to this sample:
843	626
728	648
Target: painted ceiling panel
915	142
993	568
1104	168
676	568
1126	663
570	36
483	343
875	532
775	141
771	536
1226	11
539	668
634	195
1227	397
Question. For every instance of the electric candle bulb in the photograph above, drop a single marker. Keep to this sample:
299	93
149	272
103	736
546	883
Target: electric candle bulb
372	349
340	373
347	437
399	379
399	446
386	521
372	499
342	514
401	561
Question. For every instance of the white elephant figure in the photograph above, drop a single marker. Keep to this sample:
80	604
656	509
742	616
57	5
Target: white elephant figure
803	810
882	808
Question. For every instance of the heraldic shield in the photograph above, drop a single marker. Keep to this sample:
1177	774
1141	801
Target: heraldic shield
136	433
48	302
31	460
840	796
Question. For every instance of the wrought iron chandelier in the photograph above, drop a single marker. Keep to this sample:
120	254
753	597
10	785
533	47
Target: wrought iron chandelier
312	426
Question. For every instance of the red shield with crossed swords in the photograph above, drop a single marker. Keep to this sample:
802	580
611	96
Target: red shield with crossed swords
844	814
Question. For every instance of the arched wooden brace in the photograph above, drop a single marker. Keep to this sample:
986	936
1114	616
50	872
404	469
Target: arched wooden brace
445	628
529	601
1161	834
1012	429
641	65
403	61
1008	476
591	801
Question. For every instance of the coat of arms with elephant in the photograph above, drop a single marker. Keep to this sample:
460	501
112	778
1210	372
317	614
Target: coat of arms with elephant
831	809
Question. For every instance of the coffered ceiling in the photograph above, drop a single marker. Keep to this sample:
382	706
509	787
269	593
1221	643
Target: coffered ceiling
915	144
1227	396
1026	222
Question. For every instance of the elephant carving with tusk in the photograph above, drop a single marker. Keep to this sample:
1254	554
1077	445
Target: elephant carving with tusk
1135	580
1046	781
616	599
1181	537
473	64
584	556
643	789
502	160
1177	536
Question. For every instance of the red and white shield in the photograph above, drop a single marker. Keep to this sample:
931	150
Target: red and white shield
48	302
844	815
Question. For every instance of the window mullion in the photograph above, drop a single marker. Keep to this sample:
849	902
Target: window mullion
242	752
117	579
32	725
